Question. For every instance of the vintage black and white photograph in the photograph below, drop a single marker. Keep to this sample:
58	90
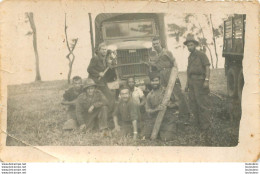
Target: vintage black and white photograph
131	82
126	79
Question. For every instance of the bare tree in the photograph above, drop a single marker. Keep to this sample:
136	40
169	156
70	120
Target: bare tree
207	46
203	39
214	39
70	56
91	34
33	32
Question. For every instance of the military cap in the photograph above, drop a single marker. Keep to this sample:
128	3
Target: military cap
89	82
190	38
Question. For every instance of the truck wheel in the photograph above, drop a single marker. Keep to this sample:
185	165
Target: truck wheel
232	81
240	83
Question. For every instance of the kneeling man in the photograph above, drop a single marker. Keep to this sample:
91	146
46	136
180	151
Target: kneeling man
126	114
91	107
168	129
69	99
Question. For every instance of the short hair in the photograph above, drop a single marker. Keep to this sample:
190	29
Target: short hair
130	77
76	78
122	87
103	44
156	38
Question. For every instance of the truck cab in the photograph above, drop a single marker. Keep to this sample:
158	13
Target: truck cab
130	34
233	52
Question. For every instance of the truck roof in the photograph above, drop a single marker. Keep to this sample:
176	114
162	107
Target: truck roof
106	17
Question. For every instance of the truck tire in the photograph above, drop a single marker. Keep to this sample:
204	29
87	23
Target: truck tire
240	83
232	81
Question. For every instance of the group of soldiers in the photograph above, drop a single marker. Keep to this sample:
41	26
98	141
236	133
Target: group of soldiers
92	105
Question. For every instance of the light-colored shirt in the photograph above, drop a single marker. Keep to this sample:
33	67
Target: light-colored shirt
137	94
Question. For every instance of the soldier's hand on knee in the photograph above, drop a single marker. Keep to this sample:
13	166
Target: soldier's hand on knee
101	74
91	108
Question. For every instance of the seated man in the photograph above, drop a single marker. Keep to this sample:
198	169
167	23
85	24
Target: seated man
153	105
126	114
91	108
69	99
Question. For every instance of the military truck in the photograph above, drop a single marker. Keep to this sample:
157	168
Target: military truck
130	34
233	52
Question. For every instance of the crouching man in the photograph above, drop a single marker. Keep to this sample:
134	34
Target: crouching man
91	108
168	129
126	114
69	99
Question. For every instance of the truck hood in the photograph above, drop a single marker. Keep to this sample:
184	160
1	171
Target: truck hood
130	45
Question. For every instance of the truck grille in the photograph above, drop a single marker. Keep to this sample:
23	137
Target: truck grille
129	63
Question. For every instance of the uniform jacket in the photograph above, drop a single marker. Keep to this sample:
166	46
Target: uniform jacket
197	63
97	65
84	102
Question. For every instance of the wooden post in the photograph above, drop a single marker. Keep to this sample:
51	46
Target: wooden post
166	99
32	24
91	34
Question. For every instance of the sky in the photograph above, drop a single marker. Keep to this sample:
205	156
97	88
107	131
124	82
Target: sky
19	59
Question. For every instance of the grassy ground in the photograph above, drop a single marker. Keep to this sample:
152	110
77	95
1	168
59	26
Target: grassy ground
36	117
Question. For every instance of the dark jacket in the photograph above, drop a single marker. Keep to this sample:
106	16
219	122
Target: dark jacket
97	65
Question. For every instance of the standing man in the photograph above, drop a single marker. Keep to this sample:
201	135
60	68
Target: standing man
126	114
197	85
69	99
91	108
163	64
96	70
168	129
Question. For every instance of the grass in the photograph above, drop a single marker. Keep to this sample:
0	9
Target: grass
35	117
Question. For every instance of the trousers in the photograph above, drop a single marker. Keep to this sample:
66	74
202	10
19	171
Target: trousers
200	103
97	118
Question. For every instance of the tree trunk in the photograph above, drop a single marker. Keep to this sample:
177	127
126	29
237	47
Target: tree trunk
30	17
91	34
211	58
71	60
214	41
70	70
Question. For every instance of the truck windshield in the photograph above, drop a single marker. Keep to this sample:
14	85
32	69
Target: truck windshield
128	29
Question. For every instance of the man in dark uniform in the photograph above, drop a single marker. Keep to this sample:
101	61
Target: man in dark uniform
91	108
69	99
163	64
96	70
197	85
168	129
126	114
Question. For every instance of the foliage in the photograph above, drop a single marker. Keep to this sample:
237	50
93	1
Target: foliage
176	31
